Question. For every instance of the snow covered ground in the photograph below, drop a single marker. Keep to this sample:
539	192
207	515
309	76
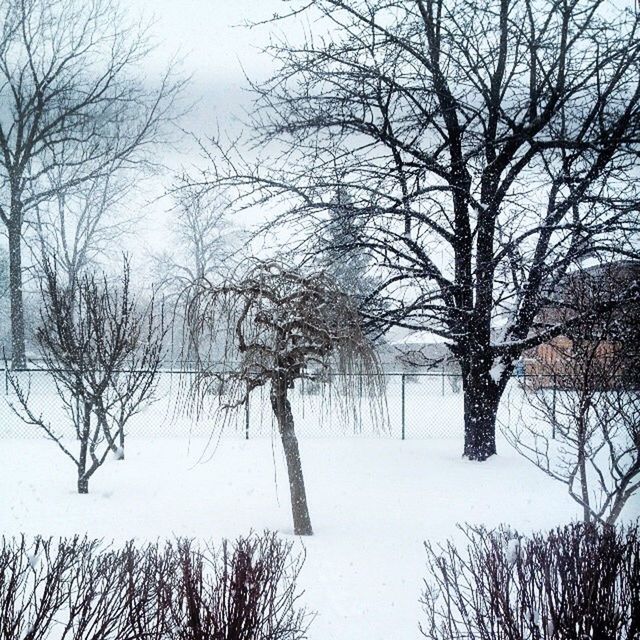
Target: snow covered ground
373	501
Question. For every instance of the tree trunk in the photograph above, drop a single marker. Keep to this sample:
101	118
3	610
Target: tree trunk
121	450
118	451
481	399
83	481
282	409
582	465
83	484
18	357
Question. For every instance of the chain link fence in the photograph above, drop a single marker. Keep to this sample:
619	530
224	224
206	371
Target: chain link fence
413	405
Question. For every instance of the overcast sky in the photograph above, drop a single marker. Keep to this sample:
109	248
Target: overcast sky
209	37
214	46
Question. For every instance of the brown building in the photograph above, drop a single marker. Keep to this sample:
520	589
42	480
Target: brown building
608	342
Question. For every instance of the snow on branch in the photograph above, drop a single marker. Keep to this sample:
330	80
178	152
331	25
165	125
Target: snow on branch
271	319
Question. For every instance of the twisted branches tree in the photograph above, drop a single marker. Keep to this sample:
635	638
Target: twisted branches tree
278	325
485	148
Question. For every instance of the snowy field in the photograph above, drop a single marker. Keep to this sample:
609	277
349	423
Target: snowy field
372	501
373	498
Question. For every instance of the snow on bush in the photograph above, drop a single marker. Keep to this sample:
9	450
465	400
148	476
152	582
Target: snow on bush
78	589
578	581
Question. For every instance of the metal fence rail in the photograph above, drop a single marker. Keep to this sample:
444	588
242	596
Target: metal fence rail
414	405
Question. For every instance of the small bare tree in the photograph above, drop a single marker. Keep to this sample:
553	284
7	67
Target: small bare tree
103	353
587	400
278	325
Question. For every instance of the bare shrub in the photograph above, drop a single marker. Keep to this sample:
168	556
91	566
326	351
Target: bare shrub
579	581
33	585
150	573
78	589
242	591
97	596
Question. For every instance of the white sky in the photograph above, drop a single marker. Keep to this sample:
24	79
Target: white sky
208	35
209	38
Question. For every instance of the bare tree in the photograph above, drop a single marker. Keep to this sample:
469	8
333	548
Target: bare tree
103	353
205	240
586	398
278	326
80	224
74	105
204	244
484	148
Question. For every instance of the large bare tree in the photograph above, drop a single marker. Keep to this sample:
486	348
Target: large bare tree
279	325
204	241
74	104
485	147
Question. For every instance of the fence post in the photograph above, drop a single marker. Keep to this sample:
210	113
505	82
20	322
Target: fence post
360	402
403	404
6	381
442	380
246	418
553	401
